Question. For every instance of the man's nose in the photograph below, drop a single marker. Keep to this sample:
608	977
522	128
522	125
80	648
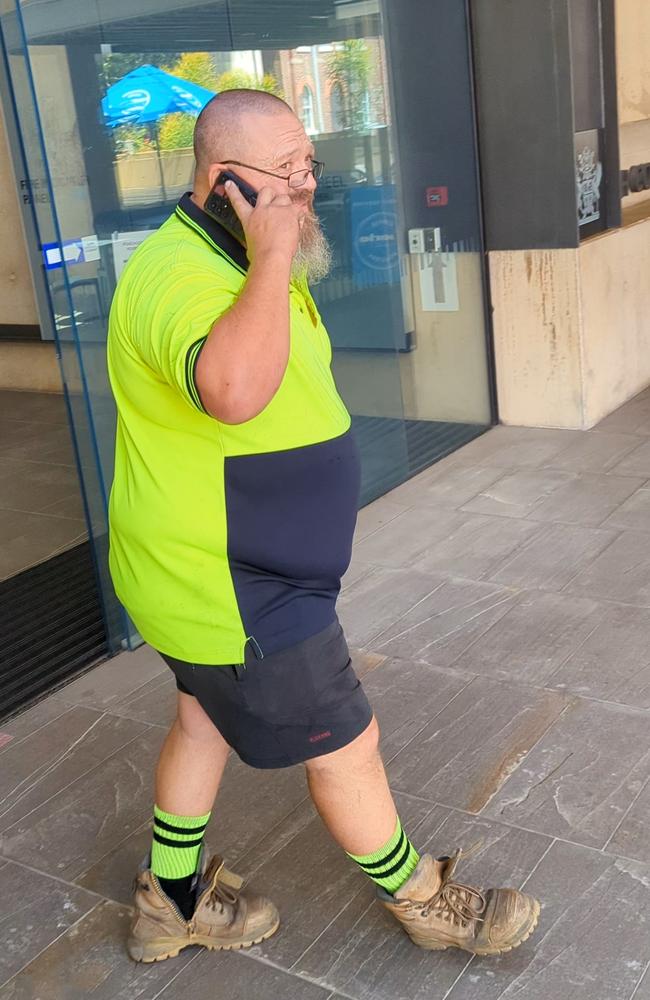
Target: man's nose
310	184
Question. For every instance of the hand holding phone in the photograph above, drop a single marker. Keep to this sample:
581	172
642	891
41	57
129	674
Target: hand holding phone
220	207
266	222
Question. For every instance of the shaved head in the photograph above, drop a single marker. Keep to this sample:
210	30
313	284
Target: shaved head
219	132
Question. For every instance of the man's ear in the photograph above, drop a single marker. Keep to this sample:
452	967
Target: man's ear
213	173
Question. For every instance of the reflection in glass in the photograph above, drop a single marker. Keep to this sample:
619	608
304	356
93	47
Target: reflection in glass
407	328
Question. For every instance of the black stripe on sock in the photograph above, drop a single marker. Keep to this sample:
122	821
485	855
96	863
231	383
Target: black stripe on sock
389	857
178	829
176	843
398	864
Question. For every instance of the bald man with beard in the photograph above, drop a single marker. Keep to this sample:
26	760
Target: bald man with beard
231	520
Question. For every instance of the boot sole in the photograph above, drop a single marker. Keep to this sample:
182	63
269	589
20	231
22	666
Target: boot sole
522	936
159	952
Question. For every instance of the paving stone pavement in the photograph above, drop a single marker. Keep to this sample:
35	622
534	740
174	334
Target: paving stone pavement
499	609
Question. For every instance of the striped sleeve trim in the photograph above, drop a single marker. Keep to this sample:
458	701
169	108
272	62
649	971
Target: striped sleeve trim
191	359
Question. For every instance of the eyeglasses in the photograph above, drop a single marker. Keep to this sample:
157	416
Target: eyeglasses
295	179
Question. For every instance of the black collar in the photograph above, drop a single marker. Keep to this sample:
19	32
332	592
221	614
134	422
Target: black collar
214	234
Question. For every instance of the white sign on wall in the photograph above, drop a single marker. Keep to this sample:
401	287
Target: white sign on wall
124	244
438	282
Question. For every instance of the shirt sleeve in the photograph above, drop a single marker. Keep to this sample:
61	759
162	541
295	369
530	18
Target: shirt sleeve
191	301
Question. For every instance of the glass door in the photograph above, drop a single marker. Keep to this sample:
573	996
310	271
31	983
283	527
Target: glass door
385	90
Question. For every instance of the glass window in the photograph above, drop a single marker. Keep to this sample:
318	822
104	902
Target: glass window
307	110
336	107
404	300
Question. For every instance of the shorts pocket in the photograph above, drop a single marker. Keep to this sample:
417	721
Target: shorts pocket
291	685
278	691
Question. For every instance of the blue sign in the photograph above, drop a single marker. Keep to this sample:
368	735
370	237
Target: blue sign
373	228
78	251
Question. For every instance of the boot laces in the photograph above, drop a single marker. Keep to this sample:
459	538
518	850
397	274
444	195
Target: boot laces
222	896
454	901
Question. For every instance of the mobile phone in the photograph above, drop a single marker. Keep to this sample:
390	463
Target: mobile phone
219	207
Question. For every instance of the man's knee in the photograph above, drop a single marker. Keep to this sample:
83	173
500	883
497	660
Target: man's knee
363	749
193	722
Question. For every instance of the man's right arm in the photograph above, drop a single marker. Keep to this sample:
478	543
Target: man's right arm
245	356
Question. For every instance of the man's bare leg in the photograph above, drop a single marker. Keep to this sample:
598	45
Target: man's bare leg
350	791
191	762
189	772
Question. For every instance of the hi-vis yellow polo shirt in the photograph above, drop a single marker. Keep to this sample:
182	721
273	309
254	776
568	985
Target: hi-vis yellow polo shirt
221	535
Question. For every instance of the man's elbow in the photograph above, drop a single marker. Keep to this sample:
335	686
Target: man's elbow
230	405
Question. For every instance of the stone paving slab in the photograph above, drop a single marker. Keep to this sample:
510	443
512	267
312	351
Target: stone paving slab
613	662
406	696
465	754
580	779
43	764
587	499
475	546
592	942
35	911
117	680
634	513
240	977
250	804
534	638
451	483
32	719
90	961
518	447
631	418
630	839
635	463
364	954
380	598
311	881
556	495
518	494
153	703
506	653
596	452
444	623
621	572
83	821
377	514
554	557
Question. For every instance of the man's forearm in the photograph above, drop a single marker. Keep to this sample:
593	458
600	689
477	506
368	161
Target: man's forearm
245	356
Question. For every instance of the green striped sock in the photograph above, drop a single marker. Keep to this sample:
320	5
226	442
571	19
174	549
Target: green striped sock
176	843
392	865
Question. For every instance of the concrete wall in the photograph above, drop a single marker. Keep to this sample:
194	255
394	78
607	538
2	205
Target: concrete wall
615	306
632	57
64	149
572	329
633	73
30	366
17	301
536	319
444	377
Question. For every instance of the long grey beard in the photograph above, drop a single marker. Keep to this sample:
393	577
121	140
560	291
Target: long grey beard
313	259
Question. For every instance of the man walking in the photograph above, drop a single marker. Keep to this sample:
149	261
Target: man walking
232	515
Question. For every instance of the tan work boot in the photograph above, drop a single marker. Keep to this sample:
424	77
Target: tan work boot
223	917
438	913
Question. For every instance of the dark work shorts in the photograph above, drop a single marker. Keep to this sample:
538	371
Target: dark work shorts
287	707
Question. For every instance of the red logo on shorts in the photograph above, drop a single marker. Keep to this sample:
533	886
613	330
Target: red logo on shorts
321	736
